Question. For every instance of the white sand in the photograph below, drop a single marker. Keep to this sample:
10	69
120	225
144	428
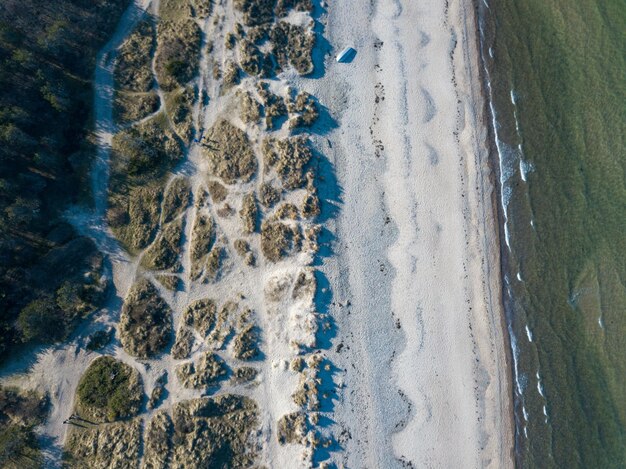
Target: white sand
415	271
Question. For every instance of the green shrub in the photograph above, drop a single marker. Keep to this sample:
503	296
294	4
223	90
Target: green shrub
19	448
41	321
177	69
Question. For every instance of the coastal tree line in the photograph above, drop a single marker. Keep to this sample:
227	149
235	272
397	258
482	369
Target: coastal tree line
49	274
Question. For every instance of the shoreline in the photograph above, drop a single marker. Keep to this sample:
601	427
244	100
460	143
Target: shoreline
493	160
495	220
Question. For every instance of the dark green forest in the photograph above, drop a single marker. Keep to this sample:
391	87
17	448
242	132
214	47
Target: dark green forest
50	277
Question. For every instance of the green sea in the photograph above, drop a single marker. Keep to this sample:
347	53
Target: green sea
556	76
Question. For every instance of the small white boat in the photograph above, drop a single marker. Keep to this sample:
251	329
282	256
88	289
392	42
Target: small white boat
346	55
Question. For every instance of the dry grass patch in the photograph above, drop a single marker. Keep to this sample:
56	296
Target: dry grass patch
256	12
178	52
114	445
133	70
303	109
283	6
289	158
311	201
242	247
225	424
287	211
292	44
268	195
232	75
223	325
184	343
243	375
164	253
201	315
157	391
278	240
273	105
201	8
249	213
253	61
176	199
292	428
229	153
157	442
132	107
217	191
146	321
202	239
179	105
214	263
143	153
246	343
134	216
207	372
170	282
249	108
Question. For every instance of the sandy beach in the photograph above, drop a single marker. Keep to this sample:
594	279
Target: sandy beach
416	268
382	337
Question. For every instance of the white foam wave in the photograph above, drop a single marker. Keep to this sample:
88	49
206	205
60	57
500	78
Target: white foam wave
519	277
519	385
525	167
539	386
529	334
501	162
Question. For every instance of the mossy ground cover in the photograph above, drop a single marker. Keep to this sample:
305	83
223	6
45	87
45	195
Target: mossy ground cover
109	390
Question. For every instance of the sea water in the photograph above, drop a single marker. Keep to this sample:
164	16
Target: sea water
555	78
